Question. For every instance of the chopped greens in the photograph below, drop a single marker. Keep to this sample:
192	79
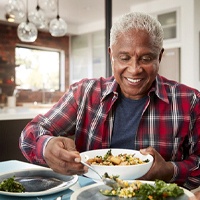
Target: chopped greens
111	177
144	191
109	153
10	185
159	191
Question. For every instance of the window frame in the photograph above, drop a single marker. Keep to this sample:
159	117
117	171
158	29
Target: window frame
61	61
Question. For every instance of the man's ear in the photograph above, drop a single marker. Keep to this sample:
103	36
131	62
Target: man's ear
109	51
161	54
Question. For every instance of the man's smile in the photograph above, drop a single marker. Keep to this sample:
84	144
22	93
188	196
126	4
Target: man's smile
133	80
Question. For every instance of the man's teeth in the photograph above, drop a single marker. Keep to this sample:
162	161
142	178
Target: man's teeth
133	80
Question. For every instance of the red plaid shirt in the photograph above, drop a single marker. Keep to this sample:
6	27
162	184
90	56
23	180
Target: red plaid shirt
170	123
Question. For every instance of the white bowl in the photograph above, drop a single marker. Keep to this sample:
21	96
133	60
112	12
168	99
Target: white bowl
128	172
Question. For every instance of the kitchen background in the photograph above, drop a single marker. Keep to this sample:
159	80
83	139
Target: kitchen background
82	53
83	44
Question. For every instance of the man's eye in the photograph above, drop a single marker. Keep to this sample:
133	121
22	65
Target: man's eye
124	58
146	59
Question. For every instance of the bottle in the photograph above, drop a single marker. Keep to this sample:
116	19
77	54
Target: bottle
3	99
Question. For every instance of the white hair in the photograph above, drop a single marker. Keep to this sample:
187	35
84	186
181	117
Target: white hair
138	21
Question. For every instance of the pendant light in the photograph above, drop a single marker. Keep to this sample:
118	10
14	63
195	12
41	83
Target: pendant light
27	31
37	17
48	5
15	10
57	26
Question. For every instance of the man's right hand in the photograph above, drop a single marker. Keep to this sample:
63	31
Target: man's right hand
61	156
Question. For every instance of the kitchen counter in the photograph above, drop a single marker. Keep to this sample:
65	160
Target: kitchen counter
21	112
12	122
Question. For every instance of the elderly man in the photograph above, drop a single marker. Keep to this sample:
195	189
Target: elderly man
136	108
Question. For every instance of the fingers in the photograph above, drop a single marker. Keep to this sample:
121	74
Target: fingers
193	198
66	155
61	156
149	150
197	195
68	168
68	144
159	165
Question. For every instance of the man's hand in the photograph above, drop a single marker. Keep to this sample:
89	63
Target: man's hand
160	169
60	155
197	195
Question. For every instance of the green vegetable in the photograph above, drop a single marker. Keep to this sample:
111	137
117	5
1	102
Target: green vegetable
109	153
114	177
159	191
10	185
144	191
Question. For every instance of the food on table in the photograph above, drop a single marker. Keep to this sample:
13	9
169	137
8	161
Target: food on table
143	191
10	185
121	159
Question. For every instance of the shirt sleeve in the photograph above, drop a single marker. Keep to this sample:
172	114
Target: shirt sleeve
30	146
186	176
58	121
32	142
187	172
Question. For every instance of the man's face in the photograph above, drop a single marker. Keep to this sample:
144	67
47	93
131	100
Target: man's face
135	63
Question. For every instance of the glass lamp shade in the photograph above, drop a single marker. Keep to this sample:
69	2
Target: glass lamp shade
27	32
38	18
57	27
15	8
48	5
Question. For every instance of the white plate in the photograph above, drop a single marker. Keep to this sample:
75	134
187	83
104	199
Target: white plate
91	192
64	182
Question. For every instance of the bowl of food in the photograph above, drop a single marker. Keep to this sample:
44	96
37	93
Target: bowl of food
126	163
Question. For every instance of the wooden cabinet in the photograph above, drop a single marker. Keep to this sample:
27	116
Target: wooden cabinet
10	131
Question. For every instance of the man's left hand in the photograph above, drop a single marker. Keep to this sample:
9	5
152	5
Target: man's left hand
160	168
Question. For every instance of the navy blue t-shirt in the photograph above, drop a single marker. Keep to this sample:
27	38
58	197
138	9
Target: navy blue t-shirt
127	117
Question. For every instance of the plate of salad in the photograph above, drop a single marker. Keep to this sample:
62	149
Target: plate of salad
133	190
34	182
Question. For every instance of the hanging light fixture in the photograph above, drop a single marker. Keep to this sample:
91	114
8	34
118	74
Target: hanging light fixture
48	5
27	31
37	17
57	26
15	10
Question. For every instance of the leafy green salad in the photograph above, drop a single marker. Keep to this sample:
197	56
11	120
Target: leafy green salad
10	185
144	191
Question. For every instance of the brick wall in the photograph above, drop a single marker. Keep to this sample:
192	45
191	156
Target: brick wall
8	41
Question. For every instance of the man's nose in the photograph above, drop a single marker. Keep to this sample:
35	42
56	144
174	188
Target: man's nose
134	66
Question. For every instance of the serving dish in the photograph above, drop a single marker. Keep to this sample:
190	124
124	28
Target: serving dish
91	192
39	182
128	172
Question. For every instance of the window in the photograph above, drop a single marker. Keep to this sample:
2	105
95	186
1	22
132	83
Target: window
37	68
87	56
169	24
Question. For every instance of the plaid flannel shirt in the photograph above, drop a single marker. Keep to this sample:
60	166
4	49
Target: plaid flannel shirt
170	123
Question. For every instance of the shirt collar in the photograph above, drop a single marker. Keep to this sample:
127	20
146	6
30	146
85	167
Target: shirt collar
157	87
111	87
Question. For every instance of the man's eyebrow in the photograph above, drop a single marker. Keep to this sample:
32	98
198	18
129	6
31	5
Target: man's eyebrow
123	52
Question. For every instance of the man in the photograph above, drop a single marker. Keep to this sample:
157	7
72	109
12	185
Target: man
134	109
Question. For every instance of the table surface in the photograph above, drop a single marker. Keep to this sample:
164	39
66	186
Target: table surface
14	165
